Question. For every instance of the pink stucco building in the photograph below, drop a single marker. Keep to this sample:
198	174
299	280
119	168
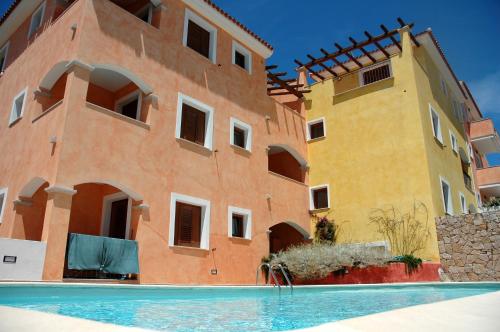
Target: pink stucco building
148	121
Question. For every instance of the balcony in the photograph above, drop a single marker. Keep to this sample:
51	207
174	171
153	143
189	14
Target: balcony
488	181
484	137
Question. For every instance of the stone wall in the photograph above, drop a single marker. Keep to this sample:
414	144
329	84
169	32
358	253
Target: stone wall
469	246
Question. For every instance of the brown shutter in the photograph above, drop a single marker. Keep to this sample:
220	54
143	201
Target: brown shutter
200	127
187	225
320	197
193	124
198	39
188	128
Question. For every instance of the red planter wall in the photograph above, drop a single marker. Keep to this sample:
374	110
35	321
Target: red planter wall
393	272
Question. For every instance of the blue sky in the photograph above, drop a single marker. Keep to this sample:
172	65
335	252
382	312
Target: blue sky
468	31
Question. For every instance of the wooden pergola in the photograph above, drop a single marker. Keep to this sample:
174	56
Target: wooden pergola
277	85
359	54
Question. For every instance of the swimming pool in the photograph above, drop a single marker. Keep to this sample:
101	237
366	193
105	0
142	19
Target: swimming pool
227	308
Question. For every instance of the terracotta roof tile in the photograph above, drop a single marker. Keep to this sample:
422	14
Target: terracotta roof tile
213	5
11	8
209	2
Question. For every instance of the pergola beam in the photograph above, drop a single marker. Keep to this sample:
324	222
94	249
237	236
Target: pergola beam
354	42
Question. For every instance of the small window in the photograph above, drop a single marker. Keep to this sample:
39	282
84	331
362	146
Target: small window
478	200
240	134
374	74
189	222
447	201
463	203
130	105
454	143
36	20
199	35
18	106
242	57
320	198
436	125
146	14
316	129
444	88
3	56
194	121
239	223
3	200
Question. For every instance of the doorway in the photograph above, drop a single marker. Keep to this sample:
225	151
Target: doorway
116	216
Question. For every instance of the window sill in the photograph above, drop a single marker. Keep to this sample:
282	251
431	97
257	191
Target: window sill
11	124
319	210
378	84
193	144
189	248
439	142
243	69
311	140
240	149
236	239
211	61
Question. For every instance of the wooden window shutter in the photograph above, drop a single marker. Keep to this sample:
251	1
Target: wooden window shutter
320	197
187	225
200	128
193	124
198	39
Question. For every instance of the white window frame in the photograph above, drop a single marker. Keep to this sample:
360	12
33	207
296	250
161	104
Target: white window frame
463	203
247	222
453	142
24	95
448	210
361	72
246	53
149	8
311	196
3	191
233	122
205	219
106	212
126	99
32	29
312	122
5	51
209	118
190	16
439	134
470	153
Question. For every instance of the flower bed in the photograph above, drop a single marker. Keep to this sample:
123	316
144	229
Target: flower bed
392	272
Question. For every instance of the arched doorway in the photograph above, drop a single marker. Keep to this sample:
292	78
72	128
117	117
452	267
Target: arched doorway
102	215
286	234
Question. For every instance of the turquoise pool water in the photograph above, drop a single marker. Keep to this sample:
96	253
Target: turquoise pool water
227	308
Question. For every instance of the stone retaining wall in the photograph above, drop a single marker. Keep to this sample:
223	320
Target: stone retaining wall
469	246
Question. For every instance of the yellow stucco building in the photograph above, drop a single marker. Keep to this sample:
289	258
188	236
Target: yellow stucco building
389	134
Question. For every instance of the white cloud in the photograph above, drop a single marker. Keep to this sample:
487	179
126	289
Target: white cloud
486	92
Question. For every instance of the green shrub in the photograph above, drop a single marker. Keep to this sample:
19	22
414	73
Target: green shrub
318	260
412	263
